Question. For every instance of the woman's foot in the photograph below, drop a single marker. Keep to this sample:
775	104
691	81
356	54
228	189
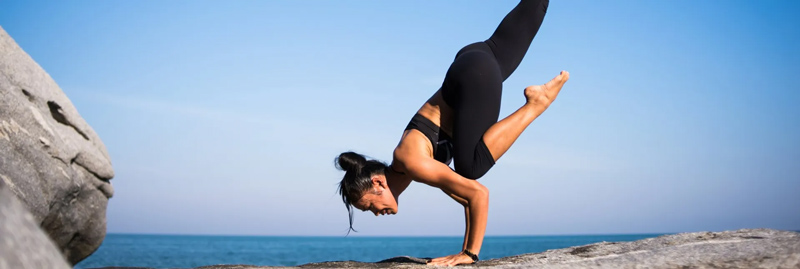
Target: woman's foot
544	95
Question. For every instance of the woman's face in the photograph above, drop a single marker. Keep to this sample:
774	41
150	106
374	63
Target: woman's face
378	199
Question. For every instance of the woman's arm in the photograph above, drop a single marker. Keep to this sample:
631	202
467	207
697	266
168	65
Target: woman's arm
431	172
466	216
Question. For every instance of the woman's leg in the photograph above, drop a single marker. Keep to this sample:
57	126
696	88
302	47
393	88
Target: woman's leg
473	89
501	135
475	152
511	39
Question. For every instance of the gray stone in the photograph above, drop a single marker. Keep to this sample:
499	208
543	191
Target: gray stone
755	248
750	248
23	245
49	156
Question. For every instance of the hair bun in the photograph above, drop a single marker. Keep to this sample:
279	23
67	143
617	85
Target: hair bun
350	161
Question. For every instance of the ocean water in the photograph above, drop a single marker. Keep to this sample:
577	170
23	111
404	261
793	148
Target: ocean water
183	251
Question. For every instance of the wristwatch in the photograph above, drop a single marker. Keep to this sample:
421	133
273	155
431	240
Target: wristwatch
471	255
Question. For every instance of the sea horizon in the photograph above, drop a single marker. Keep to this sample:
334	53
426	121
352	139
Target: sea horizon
352	234
189	251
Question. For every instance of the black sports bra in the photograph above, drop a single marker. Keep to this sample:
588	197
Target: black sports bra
441	142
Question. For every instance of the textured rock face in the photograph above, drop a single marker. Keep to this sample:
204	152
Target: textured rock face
49	156
758	248
23	245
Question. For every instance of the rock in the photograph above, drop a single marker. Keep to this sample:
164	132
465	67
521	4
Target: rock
757	248
23	245
749	248
49	156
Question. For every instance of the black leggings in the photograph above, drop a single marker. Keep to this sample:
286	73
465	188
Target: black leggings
473	85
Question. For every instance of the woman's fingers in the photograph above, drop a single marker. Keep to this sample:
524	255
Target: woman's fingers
451	260
439	261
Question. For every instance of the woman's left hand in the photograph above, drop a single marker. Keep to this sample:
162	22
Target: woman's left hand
451	260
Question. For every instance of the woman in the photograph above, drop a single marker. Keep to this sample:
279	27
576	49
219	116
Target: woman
458	123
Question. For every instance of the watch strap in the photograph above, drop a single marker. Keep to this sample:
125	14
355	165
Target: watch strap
471	255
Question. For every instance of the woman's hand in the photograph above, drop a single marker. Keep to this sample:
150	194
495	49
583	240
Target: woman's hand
451	260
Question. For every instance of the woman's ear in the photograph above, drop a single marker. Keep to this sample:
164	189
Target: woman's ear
379	181
378	185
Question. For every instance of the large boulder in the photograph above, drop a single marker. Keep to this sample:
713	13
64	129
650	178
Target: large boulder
49	156
23	245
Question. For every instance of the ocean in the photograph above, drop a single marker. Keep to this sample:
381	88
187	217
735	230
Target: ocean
185	251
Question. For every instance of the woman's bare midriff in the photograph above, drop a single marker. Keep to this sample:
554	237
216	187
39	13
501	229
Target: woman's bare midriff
438	112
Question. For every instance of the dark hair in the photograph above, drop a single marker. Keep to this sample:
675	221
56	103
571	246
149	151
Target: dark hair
357	178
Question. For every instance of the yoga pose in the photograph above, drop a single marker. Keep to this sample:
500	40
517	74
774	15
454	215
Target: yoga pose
458	123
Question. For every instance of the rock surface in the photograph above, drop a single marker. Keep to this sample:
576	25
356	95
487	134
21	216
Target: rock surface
754	248
23	245
49	156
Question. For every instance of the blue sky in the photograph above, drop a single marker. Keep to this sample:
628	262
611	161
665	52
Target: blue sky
225	117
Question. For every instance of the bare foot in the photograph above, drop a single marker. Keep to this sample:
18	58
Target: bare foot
544	95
